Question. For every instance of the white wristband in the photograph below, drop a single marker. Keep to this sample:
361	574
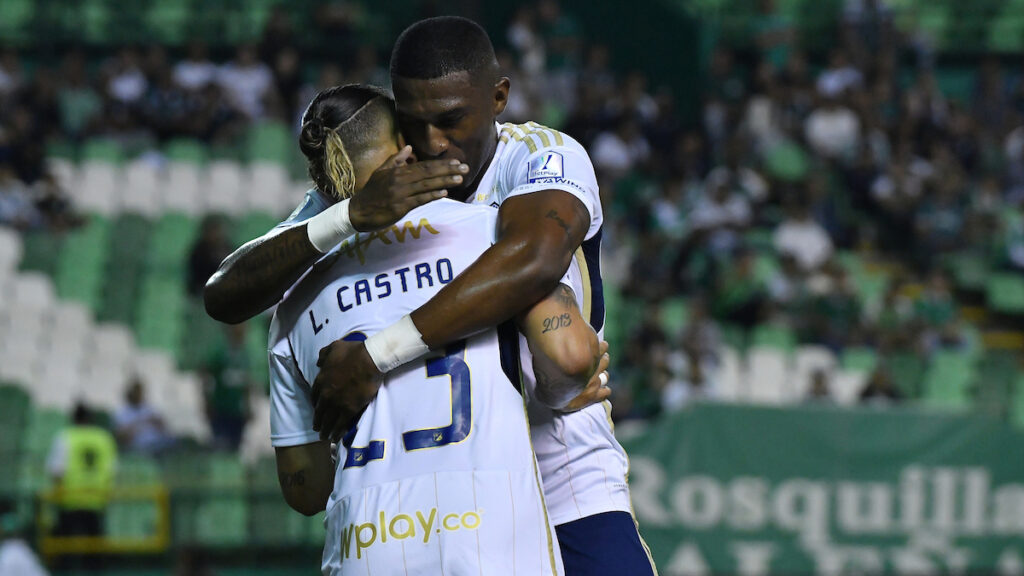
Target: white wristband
328	228
395	345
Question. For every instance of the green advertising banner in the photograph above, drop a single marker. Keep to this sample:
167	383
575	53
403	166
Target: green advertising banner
754	490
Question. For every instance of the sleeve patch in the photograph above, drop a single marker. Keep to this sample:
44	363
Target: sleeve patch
544	166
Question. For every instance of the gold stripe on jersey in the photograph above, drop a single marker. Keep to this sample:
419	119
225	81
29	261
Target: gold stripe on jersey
530	131
581	261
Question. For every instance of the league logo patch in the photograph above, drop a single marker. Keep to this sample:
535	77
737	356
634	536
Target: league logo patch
547	165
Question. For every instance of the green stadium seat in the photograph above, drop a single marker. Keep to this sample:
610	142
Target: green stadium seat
1017	407
102	150
970	271
787	162
1006	293
41	250
80	266
270	142
948	379
222	522
997	373
907	369
61	149
187	151
1007	32
774	336
131	519
138	470
933	19
167	22
14	411
861	360
43	427
673	315
15	20
253	225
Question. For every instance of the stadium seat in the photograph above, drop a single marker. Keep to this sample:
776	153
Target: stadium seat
730	374
226	191
1006	293
182	178
907	370
130	519
673	315
1006	33
71	319
268	187
142	189
14	412
98	189
16	19
847	386
947	380
10	250
44	425
270	142
186	151
32	291
64	171
857	359
767	374
774	336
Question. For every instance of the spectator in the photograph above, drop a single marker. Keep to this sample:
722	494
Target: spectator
125	81
819	391
701	338
719	216
833	130
16	207
800	237
230	384
81	464
207	253
137	425
11	78
693	385
523	37
167	108
839	77
879	389
835	313
246	82
196	71
278	34
740	295
16	556
617	153
935	312
80	105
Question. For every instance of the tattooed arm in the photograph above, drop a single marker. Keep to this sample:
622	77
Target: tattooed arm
537	235
256	276
306	475
565	350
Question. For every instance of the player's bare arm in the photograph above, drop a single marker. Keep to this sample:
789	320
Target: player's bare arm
567	356
537	236
306	476
255	277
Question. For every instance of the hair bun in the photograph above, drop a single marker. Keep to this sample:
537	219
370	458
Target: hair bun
312	136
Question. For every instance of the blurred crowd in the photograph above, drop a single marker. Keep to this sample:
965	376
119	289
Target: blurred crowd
793	160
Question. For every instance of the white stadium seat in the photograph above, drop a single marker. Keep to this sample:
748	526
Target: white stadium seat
65	172
98	189
112	343
767	372
847	385
59	384
71	320
10	250
27	324
269	188
225	189
142	188
32	290
181	187
256	437
730	374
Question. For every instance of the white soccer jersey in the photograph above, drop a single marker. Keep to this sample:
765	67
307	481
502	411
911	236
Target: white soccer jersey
582	465
439	476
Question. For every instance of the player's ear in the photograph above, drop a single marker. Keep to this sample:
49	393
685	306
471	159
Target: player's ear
501	95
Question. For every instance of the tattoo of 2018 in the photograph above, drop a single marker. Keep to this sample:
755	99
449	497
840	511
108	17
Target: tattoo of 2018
292	480
552	214
556	322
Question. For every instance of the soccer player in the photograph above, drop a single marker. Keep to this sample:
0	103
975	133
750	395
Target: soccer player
449	94
438	476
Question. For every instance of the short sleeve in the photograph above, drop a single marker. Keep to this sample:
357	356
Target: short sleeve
291	408
567	168
313	204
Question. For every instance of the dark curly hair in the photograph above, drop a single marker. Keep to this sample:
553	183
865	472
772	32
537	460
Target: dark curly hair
339	119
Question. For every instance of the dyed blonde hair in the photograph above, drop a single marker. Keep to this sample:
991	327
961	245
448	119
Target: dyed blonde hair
337	121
